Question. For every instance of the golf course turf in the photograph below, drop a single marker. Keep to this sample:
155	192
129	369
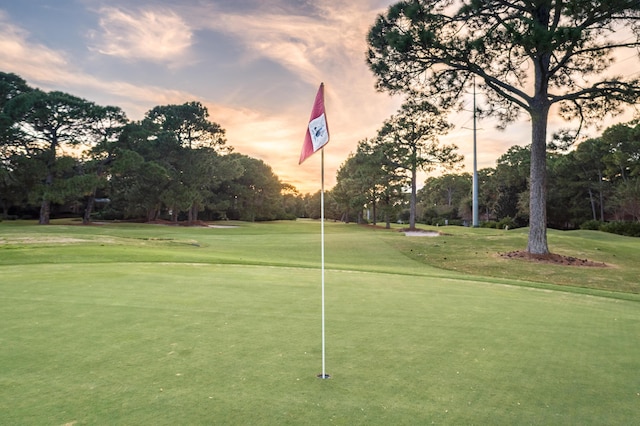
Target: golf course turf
150	325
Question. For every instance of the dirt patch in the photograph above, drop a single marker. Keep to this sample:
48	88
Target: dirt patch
421	233
552	258
415	232
40	240
180	223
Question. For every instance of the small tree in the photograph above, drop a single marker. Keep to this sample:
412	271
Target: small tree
386	180
590	155
412	134
353	190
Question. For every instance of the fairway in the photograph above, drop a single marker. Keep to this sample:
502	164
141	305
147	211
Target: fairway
147	324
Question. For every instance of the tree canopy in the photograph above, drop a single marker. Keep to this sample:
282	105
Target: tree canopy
529	55
61	152
411	136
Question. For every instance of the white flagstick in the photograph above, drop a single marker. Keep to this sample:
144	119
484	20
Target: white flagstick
324	375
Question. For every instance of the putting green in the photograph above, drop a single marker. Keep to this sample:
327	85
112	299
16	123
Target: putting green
196	343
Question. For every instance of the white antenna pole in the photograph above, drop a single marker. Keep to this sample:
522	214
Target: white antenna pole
474	207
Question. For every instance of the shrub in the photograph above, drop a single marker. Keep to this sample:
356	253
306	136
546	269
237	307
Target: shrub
489	224
591	225
506	222
629	229
404	216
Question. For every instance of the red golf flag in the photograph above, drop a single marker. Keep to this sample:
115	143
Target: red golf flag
317	134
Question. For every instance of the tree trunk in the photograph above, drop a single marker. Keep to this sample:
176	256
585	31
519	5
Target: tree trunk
375	213
412	202
91	202
45	205
45	212
601	196
86	218
593	204
537	243
193	213
152	214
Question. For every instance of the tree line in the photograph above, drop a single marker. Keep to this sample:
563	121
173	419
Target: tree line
67	155
596	181
527	56
60	154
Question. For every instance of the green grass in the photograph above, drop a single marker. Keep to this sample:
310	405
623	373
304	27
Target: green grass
142	324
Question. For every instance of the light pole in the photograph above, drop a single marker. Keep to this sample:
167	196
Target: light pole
474	207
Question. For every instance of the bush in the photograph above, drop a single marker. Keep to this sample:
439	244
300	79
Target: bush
442	221
504	222
591	225
507	222
489	224
629	229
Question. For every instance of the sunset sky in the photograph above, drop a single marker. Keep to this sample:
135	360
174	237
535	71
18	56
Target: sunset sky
255	64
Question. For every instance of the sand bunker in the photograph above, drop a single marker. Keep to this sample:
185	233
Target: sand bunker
422	234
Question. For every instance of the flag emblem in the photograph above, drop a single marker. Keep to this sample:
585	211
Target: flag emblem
319	132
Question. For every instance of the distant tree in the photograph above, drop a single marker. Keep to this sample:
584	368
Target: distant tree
11	86
447	189
444	194
19	176
590	158
11	192
412	138
194	174
312	205
568	194
45	124
190	124
511	180
369	178
145	186
386	179
199	140
627	199
622	160
292	201
257	192
109	123
488	192
352	189
140	171
528	55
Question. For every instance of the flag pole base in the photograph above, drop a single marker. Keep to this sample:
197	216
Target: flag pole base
323	376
